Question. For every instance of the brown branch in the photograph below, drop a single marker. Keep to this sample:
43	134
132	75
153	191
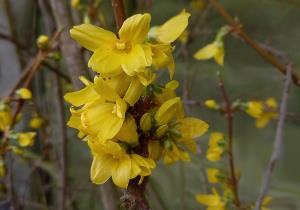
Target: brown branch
12	40
71	52
229	116
278	142
244	36
119	12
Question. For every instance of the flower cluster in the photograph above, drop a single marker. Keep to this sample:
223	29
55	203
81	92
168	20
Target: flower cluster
129	121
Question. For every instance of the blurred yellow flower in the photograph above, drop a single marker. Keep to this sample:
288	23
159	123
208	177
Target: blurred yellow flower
216	147
212	175
26	139
75	3
211	104
213	50
5	118
213	201
36	122
24	93
255	108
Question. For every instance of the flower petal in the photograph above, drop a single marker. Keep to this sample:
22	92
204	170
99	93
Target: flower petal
121	174
206	52
101	169
92	37
135	28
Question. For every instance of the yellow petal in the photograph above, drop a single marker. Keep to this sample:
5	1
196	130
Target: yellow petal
155	150
101	169
192	127
206	52
173	84
83	96
92	37
104	90
254	108
106	61
122	172
134	91
128	131
208	200
135	28
147	77
219	56
119	83
271	102
262	121
100	120
173	28
134	61
36	122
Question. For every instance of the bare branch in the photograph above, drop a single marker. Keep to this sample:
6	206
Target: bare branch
278	142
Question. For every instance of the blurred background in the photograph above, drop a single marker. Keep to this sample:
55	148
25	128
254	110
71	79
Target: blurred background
272	23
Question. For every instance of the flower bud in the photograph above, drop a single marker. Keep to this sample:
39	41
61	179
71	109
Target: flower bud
24	93
211	104
145	122
42	42
161	130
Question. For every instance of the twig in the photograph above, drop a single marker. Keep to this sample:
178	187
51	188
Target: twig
12	40
278	142
57	72
62	138
229	116
70	50
119	12
244	36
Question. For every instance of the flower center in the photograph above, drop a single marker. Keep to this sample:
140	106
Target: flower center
120	45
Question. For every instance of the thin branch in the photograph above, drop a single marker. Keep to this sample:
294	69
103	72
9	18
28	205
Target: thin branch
256	46
71	52
229	116
57	72
119	11
278	142
12	40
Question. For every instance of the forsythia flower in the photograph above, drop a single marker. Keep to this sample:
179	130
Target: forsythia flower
123	113
263	112
5	118
36	122
216	147
215	49
212	175
26	139
24	93
111	160
212	201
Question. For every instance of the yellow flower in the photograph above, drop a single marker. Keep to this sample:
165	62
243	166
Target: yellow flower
24	93
42	41
173	154
36	122
155	150
5	118
212	201
111	160
112	54
26	139
211	104
168	111
75	3
213	50
216	147
254	108
266	201
212	175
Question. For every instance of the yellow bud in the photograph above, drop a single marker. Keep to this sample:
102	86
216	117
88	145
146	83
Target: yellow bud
211	104
42	41
5	118
24	93
35	122
75	3
2	168
145	122
26	139
161	130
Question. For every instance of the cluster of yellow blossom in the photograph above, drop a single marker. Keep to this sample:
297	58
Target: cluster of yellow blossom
129	121
262	111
